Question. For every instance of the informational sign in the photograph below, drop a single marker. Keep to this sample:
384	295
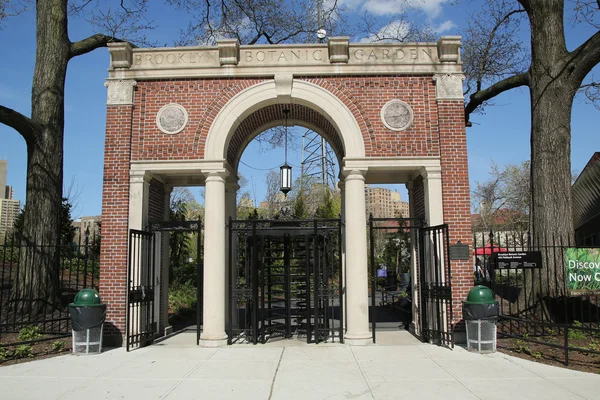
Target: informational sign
582	271
459	251
518	260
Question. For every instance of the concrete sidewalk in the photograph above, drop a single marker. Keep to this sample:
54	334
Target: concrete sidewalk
399	366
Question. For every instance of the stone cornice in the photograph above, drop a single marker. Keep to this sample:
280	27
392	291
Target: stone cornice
338	57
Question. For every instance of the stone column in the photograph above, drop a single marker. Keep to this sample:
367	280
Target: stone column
213	332
357	287
434	208
139	191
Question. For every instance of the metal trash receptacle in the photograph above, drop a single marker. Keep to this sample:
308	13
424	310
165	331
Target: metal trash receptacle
87	322
480	312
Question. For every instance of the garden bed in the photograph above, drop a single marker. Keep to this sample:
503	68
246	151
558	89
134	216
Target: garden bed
578	360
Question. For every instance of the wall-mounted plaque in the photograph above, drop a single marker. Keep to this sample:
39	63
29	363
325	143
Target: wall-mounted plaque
397	115
172	118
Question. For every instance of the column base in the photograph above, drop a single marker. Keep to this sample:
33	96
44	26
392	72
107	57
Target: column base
358	339
212	341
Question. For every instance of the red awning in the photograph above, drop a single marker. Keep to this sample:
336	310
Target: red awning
488	249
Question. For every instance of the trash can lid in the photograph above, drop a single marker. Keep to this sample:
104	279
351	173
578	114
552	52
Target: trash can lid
480	295
87	298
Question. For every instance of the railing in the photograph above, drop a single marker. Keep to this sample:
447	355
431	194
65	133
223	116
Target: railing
34	294
535	305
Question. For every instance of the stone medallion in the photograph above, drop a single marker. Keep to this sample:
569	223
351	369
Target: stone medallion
172	118
397	115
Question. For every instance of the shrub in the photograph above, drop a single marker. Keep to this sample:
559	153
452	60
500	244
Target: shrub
5	354
29	332
58	346
23	351
575	331
182	297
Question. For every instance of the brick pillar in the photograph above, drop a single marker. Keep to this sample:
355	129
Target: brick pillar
115	206
455	182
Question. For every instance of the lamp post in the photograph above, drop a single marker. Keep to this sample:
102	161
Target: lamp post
285	171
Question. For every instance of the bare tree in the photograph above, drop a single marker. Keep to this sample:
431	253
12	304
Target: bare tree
256	21
553	75
503	201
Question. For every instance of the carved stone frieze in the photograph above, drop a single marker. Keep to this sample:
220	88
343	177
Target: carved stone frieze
448	86
120	91
172	118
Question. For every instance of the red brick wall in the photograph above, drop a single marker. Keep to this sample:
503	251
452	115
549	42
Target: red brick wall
115	217
455	193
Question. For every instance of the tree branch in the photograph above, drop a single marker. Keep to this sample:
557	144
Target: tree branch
586	57
91	43
22	124
478	98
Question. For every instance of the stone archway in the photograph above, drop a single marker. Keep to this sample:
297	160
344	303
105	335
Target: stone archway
228	134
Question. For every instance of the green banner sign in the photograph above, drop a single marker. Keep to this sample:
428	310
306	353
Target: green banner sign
582	271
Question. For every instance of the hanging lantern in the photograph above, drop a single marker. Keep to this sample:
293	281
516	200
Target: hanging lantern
285	178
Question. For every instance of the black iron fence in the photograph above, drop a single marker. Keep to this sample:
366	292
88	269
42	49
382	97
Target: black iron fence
537	305
36	295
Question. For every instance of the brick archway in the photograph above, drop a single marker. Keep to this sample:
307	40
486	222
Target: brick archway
219	98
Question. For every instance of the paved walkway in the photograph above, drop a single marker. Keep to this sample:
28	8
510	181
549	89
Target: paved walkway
397	367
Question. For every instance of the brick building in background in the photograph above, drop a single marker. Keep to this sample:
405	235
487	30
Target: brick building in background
385	203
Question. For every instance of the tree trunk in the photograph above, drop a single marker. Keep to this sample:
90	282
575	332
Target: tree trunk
38	283
552	92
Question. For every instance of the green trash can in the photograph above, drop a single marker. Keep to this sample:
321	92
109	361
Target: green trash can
87	320
480	312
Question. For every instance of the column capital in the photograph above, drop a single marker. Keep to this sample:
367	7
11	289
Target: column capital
139	177
216	175
354	174
431	172
448	86
120	91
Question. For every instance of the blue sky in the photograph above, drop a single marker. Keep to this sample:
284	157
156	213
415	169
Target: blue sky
500	135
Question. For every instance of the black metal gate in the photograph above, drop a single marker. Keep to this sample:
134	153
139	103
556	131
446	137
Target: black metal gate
141	324
435	286
392	241
285	280
140	320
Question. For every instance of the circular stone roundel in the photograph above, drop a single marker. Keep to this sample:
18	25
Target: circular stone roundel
172	118
397	115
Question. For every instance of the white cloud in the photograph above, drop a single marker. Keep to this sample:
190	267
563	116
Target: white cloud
384	7
431	7
395	29
445	27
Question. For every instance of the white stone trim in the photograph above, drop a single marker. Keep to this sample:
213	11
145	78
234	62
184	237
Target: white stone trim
120	91
163	109
449	86
264	94
434	205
